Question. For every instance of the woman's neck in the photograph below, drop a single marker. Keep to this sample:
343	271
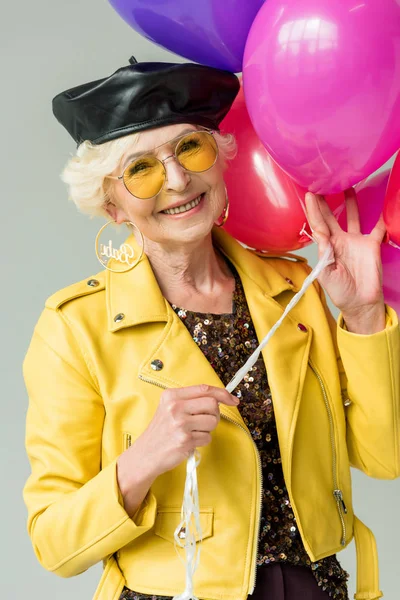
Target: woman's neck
194	276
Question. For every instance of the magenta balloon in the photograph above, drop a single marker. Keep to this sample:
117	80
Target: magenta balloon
370	197
322	87
210	32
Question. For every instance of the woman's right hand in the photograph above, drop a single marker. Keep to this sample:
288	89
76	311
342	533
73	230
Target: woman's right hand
183	421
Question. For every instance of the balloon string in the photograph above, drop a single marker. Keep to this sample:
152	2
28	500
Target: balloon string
303	206
305	232
325	260
336	213
394	245
190	527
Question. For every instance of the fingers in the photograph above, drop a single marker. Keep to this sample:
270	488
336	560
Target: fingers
320	217
353	215
200	439
203	423
319	227
379	231
202	391
202	406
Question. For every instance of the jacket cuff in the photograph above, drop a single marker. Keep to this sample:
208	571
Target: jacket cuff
145	515
371	363
391	321
111	526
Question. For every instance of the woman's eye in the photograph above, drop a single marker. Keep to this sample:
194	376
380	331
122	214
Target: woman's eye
188	146
139	168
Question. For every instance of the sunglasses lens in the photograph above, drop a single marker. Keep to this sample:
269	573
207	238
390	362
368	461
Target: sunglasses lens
197	151
144	177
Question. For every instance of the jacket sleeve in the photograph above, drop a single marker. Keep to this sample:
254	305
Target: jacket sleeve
369	368
76	515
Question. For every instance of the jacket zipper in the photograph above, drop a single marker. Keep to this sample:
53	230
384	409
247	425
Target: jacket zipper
256	538
127	440
160	385
337	492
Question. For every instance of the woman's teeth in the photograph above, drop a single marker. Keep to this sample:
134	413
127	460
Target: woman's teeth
183	208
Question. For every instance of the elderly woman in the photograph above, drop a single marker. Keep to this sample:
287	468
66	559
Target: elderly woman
126	370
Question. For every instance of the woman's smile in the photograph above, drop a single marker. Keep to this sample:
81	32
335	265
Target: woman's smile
185	209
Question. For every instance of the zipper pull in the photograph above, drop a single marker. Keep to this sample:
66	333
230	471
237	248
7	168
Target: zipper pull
339	498
127	440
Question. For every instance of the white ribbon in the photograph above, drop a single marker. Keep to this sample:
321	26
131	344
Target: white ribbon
394	245
190	513
189	526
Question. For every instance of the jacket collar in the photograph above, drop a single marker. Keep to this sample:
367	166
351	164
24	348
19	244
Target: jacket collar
137	295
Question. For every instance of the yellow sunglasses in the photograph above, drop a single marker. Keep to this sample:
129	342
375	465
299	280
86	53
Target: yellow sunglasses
196	152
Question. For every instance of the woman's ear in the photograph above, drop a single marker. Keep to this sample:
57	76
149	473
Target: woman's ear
117	214
111	210
110	205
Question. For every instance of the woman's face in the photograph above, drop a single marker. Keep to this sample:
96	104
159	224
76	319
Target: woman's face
180	188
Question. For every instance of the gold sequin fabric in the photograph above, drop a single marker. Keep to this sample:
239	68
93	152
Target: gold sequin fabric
227	341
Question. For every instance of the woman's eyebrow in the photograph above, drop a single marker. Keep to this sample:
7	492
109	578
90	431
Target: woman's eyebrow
146	152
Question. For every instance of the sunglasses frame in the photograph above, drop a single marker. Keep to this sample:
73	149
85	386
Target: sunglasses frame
163	161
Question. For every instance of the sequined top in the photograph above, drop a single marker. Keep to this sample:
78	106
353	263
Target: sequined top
227	341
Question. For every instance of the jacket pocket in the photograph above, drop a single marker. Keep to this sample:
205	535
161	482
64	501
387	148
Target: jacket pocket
168	519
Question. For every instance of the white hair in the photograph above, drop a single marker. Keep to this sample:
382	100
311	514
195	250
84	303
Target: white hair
85	173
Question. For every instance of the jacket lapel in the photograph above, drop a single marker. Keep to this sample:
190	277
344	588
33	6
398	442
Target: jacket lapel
286	360
286	354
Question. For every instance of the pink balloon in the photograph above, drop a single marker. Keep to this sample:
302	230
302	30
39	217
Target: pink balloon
265	204
370	197
391	207
322	86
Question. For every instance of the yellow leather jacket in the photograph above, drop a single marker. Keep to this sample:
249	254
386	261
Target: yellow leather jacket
92	392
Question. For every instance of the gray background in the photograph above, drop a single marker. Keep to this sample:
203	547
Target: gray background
47	46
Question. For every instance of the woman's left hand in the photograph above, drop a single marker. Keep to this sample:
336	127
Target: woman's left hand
354	281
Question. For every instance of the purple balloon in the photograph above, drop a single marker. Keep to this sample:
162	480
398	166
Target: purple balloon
210	32
370	198
322	87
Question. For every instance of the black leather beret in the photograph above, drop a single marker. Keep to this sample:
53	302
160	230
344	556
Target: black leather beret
143	96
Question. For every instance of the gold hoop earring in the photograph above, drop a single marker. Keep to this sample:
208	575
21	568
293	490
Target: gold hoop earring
124	254
225	214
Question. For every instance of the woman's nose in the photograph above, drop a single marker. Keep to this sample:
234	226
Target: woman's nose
177	179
